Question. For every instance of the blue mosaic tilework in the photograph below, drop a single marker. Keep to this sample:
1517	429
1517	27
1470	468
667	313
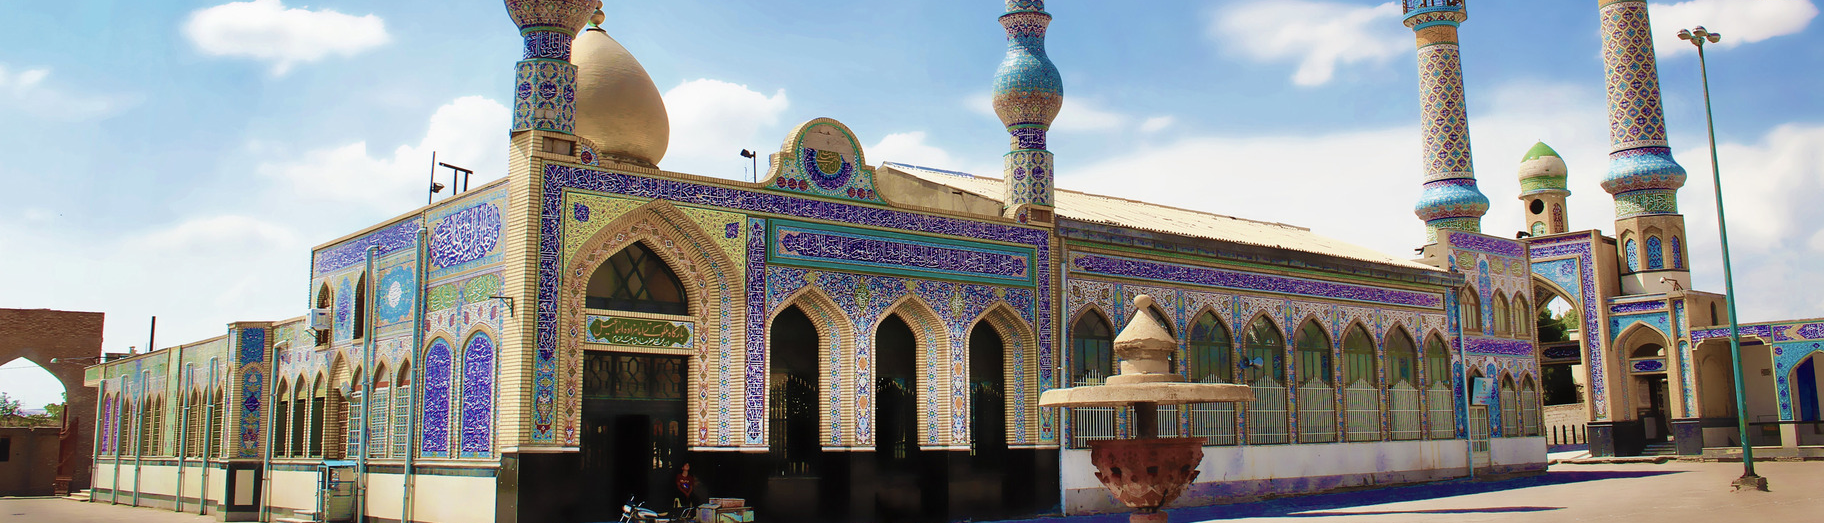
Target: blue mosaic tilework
1151	270
402	235
477	433
1639	306
1497	346
435	418
1577	249
859	249
557	178
466	237
1658	320
1488	244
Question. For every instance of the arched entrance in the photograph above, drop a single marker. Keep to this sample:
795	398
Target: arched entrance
61	343
1648	397
1807	397
633	406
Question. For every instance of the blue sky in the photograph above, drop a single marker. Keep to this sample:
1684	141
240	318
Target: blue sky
179	159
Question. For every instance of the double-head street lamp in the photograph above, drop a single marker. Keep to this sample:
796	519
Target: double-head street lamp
1749	479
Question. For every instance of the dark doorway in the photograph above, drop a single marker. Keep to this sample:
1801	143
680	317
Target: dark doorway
793	489
898	495
1654	420
1805	379
634	415
988	417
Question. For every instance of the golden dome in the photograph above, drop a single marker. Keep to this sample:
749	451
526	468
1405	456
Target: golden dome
617	106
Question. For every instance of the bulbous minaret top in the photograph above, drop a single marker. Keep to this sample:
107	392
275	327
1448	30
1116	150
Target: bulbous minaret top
1542	170
1028	92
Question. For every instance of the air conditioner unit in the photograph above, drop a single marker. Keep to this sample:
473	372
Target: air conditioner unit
320	319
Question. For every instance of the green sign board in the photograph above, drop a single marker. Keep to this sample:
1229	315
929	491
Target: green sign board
640	332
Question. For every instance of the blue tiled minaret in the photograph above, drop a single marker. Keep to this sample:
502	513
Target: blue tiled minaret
544	84
1643	177
1450	199
1027	95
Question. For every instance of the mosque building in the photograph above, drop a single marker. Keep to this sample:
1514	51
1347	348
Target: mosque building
845	340
1648	360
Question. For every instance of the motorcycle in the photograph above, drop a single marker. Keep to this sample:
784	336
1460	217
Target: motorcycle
636	512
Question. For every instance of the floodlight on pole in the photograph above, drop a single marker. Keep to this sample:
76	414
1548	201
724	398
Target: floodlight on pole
1749	479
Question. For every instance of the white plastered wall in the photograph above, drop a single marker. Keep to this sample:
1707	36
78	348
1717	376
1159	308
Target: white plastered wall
1345	463
453	499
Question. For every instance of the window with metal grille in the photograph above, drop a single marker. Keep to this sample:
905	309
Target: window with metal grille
380	409
1529	409
1209	359
636	279
1316	397
1440	398
352	445
216	439
1092	361
1403	405
1362	395
402	411
1265	372
1511	425
155	426
193	426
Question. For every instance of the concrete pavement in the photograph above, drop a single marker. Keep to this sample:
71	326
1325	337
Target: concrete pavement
1676	492
57	510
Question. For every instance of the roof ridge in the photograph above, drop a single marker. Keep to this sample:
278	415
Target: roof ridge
1105	196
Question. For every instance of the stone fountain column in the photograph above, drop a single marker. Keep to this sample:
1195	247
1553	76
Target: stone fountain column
1146	472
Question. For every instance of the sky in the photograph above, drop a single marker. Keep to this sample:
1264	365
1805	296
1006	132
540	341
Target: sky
179	159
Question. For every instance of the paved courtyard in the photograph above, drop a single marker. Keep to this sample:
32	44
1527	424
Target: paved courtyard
1666	493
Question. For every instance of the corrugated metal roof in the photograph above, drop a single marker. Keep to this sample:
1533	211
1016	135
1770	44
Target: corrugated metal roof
1122	212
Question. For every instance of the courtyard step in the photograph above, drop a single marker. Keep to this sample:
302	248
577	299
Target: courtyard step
78	496
1663	448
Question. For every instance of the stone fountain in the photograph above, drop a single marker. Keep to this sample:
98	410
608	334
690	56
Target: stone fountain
1148	471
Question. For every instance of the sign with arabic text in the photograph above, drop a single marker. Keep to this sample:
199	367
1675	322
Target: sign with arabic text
639	332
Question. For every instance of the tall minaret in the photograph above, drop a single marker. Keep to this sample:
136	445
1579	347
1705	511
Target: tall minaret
1450	199
544	86
1027	95
1649	232
1542	190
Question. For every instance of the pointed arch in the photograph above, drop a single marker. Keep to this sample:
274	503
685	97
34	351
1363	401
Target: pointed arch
1019	370
1503	315
835	340
1638	335
1312	345
930	361
1264	347
319	402
281	418
1092	338
1210	348
361	297
1469	310
707	276
476	433
439	373
326	299
1360	361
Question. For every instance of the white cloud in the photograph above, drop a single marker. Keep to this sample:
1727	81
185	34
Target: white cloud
27	91
266	30
909	148
1084	116
1156	124
1769	190
1317	35
1739	22
713	120
468	132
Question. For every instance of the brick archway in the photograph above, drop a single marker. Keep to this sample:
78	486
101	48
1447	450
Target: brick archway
39	336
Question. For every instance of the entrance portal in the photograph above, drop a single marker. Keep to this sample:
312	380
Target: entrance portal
633	430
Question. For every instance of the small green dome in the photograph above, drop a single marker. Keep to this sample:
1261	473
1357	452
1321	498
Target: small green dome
1538	150
1543	170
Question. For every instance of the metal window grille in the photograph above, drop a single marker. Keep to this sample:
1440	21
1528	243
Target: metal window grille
1091	423
402	421
1510	412
1529	411
1168	421
316	427
1214	422
353	446
1443	406
378	424
1479	433
215	426
1316	412
1267	413
1362	416
1403	407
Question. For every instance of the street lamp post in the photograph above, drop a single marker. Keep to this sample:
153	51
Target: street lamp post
1749	479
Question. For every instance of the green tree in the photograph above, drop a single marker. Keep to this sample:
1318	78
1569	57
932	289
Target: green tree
1551	326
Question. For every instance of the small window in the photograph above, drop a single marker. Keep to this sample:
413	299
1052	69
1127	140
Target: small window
360	307
1538	206
1209	355
1471	313
1092	347
325	301
636	279
6	448
1313	352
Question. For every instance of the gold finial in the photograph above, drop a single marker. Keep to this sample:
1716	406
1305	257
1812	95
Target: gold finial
597	18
